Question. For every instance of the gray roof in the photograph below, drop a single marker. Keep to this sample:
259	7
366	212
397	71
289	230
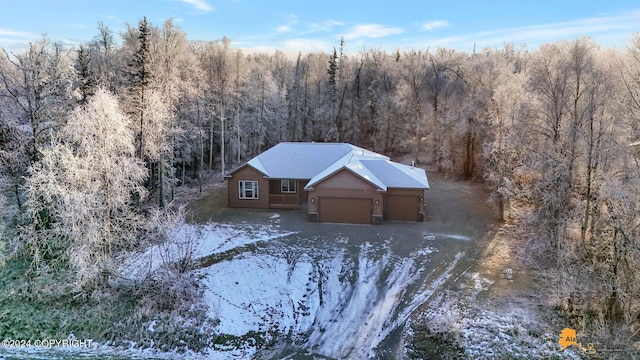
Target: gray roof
318	161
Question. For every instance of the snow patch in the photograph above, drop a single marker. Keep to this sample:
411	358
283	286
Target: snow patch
431	236
479	283
259	293
424	251
210	239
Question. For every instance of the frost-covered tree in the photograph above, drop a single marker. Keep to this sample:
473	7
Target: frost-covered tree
14	155
79	206
503	152
380	127
411	93
216	63
38	82
158	150
237	97
102	50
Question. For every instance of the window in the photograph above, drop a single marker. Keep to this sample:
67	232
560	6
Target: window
287	186
248	189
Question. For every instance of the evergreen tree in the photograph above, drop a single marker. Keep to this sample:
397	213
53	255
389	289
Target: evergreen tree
87	80
295	102
331	133
140	79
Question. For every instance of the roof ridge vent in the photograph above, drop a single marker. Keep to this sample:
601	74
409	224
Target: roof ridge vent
350	157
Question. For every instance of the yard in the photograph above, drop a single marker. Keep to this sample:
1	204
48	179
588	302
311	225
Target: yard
316	283
282	287
450	286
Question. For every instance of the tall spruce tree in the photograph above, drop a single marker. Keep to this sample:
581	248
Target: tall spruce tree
140	79
331	133
86	78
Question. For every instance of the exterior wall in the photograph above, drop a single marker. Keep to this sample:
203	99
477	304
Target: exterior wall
303	194
248	173
344	184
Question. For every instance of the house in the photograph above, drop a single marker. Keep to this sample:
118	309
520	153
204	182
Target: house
335	182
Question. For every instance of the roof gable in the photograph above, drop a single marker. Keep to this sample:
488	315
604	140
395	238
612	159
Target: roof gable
346	162
342	173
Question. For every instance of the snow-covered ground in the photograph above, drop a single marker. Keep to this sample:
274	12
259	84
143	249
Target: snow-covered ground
281	287
295	292
303	296
209	239
484	333
313	298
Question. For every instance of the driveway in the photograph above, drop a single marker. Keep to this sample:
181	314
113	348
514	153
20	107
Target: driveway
360	282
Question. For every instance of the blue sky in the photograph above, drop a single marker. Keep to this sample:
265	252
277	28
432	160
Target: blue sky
310	25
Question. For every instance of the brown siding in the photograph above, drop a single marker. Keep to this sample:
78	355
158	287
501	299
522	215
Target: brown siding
300	188
345	185
343	179
248	173
274	186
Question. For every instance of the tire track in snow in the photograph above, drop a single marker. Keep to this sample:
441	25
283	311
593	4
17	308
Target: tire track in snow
353	326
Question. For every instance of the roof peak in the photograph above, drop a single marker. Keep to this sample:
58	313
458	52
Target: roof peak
314	143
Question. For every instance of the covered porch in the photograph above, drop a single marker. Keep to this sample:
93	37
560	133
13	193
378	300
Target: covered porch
287	194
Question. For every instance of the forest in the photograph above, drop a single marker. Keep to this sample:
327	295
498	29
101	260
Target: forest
95	140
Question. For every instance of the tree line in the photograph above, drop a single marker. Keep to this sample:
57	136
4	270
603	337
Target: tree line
553	132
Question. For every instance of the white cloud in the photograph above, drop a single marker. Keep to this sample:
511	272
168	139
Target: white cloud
305	45
291	48
201	5
284	29
289	26
612	29
15	33
325	26
434	25
373	31
15	40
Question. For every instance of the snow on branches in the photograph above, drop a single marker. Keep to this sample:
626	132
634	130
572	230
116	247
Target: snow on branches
80	195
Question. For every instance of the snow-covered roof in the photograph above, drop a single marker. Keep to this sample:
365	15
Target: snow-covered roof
349	161
318	161
396	175
291	160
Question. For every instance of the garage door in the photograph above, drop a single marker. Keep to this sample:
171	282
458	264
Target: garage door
341	210
402	207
